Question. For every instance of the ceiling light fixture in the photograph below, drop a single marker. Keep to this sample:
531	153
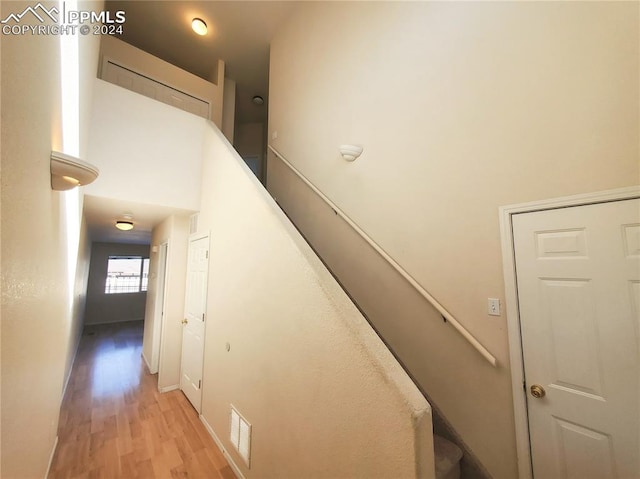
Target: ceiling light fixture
125	224
258	100
199	26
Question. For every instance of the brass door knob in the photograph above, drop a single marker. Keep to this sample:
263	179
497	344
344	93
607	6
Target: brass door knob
185	321
538	391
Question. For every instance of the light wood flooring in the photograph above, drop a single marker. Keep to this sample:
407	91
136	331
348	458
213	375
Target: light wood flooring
115	424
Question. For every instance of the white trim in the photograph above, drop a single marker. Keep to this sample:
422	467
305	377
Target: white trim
136	320
163	319
199	235
159	307
216	439
73	361
146	361
53	453
511	300
395	265
166	389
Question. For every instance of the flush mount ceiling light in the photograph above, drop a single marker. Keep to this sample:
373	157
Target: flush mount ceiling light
258	100
199	26
125	224
68	172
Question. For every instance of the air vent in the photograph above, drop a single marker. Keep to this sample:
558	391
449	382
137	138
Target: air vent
240	436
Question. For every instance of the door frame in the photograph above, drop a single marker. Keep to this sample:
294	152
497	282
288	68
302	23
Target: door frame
159	307
523	446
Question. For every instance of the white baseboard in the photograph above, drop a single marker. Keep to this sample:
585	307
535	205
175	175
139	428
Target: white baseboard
53	452
216	439
99	323
73	361
166	389
146	361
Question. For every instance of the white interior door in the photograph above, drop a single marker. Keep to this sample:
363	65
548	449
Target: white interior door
194	320
578	277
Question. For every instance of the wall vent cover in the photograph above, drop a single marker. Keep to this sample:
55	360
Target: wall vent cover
240	435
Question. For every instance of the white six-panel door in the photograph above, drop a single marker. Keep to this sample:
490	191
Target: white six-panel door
578	282
194	320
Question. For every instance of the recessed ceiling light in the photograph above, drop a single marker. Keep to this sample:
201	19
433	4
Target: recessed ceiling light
199	26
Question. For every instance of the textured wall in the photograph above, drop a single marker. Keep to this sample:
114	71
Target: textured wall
323	394
147	151
39	307
461	107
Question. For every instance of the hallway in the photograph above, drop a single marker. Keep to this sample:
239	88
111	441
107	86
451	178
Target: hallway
115	423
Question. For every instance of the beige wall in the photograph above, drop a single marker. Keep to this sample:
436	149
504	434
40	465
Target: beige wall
80	297
461	108
174	231
112	308
229	109
37	249
323	394
249	141
158	146
139	61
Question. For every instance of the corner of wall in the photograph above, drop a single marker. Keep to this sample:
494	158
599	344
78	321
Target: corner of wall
423	430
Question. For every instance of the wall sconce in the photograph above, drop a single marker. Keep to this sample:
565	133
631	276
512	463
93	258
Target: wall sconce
68	172
350	152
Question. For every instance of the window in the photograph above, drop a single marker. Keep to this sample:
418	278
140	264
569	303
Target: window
127	274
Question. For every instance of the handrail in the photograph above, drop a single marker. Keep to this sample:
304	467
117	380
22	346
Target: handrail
441	309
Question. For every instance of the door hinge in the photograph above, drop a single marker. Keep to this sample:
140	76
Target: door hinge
199	383
206	254
203	316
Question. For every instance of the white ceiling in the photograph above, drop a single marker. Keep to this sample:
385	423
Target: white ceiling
101	215
239	34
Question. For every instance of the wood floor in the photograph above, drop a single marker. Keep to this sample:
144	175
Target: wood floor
115	424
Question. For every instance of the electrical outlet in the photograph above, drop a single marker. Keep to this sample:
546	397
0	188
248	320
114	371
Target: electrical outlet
493	307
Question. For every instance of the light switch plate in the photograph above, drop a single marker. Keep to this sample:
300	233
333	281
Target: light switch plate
493	307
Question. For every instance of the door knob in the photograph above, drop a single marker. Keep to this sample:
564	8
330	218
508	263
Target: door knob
185	321
538	391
